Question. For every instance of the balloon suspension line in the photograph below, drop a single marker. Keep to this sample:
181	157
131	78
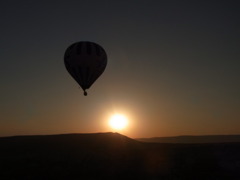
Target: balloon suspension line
85	93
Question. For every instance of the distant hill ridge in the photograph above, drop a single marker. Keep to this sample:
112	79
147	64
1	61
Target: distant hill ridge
77	138
193	139
114	156
108	137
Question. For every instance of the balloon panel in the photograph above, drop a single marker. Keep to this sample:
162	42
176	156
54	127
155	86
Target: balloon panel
85	61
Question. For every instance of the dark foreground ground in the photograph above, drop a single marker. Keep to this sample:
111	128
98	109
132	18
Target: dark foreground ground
113	156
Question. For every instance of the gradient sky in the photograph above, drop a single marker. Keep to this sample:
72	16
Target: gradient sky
173	66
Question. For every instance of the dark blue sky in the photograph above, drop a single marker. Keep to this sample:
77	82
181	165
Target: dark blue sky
173	66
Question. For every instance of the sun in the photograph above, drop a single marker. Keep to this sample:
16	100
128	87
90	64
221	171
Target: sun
118	121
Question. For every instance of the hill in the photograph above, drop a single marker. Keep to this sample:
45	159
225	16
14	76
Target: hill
193	139
114	156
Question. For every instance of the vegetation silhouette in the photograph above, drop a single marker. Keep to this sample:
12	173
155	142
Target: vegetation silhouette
114	156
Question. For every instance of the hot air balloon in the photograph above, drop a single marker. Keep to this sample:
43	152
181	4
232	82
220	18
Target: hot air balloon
85	61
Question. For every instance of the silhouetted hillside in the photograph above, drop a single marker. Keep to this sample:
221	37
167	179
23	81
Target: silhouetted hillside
193	139
114	156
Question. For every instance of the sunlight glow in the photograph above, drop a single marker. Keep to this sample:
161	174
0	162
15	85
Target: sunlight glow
118	121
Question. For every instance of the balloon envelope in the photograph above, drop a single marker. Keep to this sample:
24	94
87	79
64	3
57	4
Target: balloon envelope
85	61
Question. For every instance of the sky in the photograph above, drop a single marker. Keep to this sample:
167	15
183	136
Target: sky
173	67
